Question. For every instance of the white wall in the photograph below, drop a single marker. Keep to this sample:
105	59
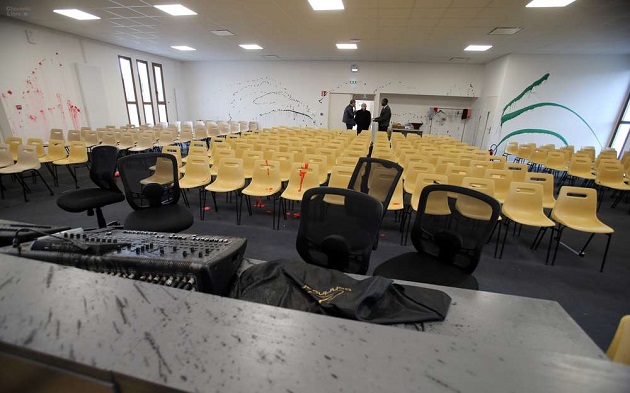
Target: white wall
594	87
42	79
290	93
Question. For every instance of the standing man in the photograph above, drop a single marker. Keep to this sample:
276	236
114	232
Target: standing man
384	117
348	115
363	117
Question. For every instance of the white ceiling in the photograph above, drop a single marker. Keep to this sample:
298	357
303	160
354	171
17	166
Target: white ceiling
389	30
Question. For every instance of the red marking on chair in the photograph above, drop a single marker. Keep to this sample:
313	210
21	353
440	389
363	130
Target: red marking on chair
296	215
382	235
207	208
302	175
116	174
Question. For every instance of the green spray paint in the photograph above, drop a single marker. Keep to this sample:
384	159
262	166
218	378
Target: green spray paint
533	131
525	91
512	115
509	116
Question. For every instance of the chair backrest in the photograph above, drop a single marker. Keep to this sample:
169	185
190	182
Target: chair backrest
524	197
376	177
177	152
266	174
502	179
457	240
27	158
619	349
286	162
519	170
39	146
340	236
575	202
198	168
103	169
304	176
231	168
457	173
78	151
56	134
547	182
136	167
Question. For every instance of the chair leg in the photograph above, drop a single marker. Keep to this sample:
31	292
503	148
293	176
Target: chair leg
201	203
100	219
507	229
44	181
239	207
185	198
601	269
73	174
248	201
214	200
20	179
555	253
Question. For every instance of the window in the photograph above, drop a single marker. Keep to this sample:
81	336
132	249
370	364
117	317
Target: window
129	89
159	92
145	91
623	129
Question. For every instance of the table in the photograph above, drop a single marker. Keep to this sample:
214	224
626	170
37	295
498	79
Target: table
405	131
199	342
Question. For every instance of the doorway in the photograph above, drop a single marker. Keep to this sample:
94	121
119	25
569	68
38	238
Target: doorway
339	101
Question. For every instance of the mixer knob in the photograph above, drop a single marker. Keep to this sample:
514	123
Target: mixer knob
207	251
174	248
161	250
151	246
138	250
192	249
185	253
118	249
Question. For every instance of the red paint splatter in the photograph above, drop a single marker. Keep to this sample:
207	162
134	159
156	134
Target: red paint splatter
9	91
302	175
74	115
32	118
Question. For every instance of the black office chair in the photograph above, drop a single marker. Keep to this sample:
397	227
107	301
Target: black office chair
151	182
106	193
378	178
338	235
448	246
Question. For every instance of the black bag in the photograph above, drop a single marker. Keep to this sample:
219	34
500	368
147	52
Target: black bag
300	286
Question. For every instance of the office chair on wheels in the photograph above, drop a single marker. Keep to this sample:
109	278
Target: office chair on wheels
106	193
338	236
448	247
151	182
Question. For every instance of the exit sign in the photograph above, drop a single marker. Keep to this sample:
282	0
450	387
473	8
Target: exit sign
353	82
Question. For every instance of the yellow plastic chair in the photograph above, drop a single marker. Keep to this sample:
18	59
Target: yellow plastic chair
163	172
14	143
177	152
218	156
230	178
322	162
619	349
6	158
557	162
145	142
265	182
56	134
75	135
471	207
286	162
304	176
498	162
525	151
524	205
502	179
457	173
576	208
580	168
538	158
437	205
479	167
511	149
547	181
519	171
27	161
443	162
39	146
249	159
340	176
77	156
108	138
347	161
197	176
611	176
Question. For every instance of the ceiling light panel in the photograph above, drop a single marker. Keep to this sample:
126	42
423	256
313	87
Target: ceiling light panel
326	5
175	9
346	46
505	30
477	48
183	47
76	14
549	3
251	46
222	33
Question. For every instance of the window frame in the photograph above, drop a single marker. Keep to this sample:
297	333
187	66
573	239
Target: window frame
625	113
150	102
157	95
133	82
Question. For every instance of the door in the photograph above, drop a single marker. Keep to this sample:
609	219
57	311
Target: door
336	104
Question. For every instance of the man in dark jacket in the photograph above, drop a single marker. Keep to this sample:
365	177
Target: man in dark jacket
363	117
385	116
348	115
